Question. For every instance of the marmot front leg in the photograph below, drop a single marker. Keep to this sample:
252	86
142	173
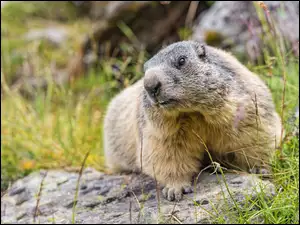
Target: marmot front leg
175	179
173	170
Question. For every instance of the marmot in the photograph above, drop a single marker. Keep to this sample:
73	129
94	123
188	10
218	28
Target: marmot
192	98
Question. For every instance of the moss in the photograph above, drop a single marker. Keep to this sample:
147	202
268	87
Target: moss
213	38
185	33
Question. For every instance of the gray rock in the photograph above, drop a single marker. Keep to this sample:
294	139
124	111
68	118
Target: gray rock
117	7
297	112
54	35
235	24
28	86
122	198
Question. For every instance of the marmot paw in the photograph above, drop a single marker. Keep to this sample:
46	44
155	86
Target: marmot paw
259	170
175	193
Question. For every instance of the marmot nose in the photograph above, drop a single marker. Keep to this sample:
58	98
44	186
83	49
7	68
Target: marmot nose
152	85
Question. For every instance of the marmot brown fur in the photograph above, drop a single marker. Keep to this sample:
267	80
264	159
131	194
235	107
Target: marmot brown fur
192	98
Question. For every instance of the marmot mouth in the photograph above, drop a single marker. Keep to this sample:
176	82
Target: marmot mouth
166	103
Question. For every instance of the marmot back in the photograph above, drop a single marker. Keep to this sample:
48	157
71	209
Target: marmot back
192	99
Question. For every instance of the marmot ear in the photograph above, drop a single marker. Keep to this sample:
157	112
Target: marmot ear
200	49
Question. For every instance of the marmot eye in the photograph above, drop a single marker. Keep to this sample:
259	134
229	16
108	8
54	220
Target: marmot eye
181	61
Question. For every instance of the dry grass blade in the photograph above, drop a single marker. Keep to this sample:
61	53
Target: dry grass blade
130	211
77	185
191	13
175	218
137	200
141	154
3	193
256	112
283	98
157	193
129	34
173	212
140	206
39	197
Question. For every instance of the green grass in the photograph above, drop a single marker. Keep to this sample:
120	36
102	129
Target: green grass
16	50
283	208
63	11
58	127
280	70
55	130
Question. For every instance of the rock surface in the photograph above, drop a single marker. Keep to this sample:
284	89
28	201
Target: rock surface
54	35
235	25
120	198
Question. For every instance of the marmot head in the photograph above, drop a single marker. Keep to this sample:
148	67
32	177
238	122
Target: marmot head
187	76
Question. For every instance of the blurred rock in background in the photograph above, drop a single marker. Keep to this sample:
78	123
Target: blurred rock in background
235	25
229	25
121	29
